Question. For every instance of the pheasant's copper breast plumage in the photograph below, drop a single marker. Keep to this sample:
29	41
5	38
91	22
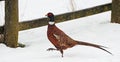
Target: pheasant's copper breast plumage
58	37
61	40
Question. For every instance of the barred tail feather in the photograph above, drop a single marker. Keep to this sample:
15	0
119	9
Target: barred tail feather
94	45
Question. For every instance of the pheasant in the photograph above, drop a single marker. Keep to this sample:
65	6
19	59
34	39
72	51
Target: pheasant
61	40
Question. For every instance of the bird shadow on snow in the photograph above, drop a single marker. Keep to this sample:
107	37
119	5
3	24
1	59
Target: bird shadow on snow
77	54
80	55
74	55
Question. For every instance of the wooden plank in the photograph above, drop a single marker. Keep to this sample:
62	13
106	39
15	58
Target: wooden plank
83	13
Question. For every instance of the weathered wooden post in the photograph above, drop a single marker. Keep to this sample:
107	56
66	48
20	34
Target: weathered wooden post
115	11
11	23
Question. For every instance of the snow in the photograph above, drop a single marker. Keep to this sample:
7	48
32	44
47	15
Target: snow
94	29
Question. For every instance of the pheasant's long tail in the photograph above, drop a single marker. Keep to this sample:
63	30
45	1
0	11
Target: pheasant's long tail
94	45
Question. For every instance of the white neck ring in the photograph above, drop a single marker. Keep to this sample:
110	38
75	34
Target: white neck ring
51	23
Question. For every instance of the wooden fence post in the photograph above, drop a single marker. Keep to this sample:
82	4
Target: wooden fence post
11	23
115	11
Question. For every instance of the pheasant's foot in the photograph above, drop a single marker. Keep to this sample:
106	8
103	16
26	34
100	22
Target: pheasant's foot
62	55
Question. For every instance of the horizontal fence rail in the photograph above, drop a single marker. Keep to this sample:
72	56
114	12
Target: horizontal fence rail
64	17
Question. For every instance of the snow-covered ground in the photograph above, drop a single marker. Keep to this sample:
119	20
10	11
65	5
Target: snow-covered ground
95	29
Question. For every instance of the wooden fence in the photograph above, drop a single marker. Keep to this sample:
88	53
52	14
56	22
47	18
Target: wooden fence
44	21
63	17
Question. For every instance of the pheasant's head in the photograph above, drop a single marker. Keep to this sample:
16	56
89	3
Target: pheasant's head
51	16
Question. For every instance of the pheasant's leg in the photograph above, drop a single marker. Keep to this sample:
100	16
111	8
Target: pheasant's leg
49	49
61	52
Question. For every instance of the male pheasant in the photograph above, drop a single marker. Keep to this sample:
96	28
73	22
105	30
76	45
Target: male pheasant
61	40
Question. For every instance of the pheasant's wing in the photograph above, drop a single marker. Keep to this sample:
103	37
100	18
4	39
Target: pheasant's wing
64	40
